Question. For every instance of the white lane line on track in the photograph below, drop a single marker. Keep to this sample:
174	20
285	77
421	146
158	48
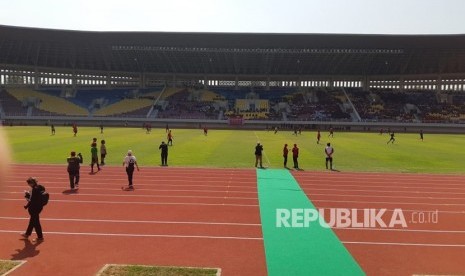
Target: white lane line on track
139	221
391	203
328	183
402	230
142	235
380	191
114	187
404	244
386	196
143	203
144	196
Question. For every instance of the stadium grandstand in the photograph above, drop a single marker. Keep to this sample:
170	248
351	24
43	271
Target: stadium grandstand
232	79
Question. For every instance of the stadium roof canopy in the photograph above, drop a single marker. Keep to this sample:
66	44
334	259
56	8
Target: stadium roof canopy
233	53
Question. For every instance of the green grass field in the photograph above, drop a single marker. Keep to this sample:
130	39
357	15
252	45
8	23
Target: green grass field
439	153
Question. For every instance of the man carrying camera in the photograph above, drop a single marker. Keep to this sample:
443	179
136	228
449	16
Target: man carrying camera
73	169
34	206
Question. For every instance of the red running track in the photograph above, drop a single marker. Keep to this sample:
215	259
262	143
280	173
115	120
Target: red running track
210	218
175	217
426	248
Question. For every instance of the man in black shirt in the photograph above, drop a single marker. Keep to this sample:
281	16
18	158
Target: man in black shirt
164	153
258	155
392	138
73	169
34	207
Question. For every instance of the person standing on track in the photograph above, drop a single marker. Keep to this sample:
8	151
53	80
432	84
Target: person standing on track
103	152
130	162
164	153
34	206
258	155
329	156
94	154
73	169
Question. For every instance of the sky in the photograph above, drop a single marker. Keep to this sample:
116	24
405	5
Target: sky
241	16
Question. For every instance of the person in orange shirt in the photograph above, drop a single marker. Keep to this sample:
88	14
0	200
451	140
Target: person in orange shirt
170	138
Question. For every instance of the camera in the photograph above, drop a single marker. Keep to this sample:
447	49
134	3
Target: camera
27	194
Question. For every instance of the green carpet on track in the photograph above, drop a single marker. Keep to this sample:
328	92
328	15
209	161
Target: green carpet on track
312	250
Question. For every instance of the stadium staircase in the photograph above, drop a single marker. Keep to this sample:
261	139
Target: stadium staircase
354	115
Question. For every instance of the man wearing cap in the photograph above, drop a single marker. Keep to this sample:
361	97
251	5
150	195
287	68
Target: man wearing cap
34	207
164	153
129	162
73	169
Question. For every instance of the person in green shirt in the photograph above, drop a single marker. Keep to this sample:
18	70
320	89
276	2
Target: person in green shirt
94	153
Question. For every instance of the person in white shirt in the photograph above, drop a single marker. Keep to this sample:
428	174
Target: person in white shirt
329	156
130	162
